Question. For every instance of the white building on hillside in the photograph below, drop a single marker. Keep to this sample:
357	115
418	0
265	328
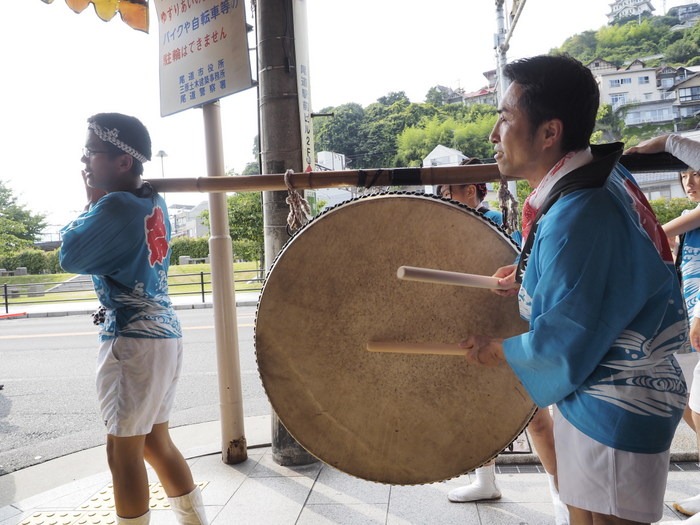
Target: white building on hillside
645	95
626	8
444	156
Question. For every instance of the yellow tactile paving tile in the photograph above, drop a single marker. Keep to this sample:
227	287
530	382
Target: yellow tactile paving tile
70	518
104	499
99	509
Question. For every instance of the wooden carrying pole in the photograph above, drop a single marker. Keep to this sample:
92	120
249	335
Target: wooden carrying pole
428	176
334	179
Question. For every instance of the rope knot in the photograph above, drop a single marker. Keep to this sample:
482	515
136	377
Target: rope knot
299	210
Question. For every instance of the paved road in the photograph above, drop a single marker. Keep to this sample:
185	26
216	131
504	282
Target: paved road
48	407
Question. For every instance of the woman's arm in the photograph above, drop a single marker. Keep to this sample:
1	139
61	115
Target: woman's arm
685	223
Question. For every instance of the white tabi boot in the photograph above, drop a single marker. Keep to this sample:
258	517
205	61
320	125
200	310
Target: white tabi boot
483	488
189	509
689	506
144	519
693	520
561	511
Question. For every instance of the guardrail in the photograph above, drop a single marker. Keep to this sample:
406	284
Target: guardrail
80	289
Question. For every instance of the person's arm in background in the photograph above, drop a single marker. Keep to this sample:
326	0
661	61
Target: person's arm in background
683	148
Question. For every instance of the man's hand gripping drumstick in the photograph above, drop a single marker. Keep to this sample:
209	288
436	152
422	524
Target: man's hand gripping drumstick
477	349
488	351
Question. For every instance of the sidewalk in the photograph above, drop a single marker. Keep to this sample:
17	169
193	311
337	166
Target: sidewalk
76	489
180	302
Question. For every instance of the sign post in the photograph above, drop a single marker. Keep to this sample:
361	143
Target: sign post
204	57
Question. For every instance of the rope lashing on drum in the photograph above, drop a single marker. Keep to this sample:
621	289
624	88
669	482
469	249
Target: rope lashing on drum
299	210
509	207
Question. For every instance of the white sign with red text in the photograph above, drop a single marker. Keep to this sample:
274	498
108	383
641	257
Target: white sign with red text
203	52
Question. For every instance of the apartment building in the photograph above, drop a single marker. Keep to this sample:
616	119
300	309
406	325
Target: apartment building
645	94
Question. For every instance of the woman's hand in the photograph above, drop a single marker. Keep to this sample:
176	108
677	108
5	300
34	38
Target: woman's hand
654	145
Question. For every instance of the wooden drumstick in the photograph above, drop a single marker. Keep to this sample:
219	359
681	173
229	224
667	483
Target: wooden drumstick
397	347
429	275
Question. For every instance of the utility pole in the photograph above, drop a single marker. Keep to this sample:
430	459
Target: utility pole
504	32
501	48
502	43
280	150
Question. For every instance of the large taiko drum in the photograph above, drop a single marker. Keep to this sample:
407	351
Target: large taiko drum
390	418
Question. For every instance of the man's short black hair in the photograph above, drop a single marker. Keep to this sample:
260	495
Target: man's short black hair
558	87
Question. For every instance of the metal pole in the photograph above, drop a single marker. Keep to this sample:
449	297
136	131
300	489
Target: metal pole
501	61
233	442
501	48
280	150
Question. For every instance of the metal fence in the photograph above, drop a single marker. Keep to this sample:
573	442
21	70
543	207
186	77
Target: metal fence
80	289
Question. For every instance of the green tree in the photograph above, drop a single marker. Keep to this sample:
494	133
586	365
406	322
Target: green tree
668	209
583	46
245	220
252	168
19	227
523	189
341	133
682	51
610	125
434	97
245	217
195	247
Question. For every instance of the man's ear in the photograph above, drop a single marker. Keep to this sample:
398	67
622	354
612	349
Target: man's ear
125	162
552	132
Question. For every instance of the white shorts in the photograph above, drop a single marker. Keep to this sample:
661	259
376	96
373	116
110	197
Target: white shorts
687	363
136	380
608	481
694	387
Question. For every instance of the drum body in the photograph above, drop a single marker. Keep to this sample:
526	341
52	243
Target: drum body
390	418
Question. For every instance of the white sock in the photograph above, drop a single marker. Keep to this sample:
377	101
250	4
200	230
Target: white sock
144	519
561	511
688	506
693	520
483	488
189	509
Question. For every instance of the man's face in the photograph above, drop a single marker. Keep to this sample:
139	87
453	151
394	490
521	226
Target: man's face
100	164
513	137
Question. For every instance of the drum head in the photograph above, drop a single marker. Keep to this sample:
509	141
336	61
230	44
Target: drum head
390	418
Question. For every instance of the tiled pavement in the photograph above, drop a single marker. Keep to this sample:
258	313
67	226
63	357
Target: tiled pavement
75	490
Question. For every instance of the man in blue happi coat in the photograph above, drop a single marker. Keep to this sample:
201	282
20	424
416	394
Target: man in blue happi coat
601	296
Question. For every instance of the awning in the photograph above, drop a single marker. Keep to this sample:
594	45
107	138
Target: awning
133	12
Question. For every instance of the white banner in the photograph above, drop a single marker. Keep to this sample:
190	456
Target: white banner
301	44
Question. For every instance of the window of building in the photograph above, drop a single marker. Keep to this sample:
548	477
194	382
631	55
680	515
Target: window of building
618	99
643	80
657	192
688	94
626	80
